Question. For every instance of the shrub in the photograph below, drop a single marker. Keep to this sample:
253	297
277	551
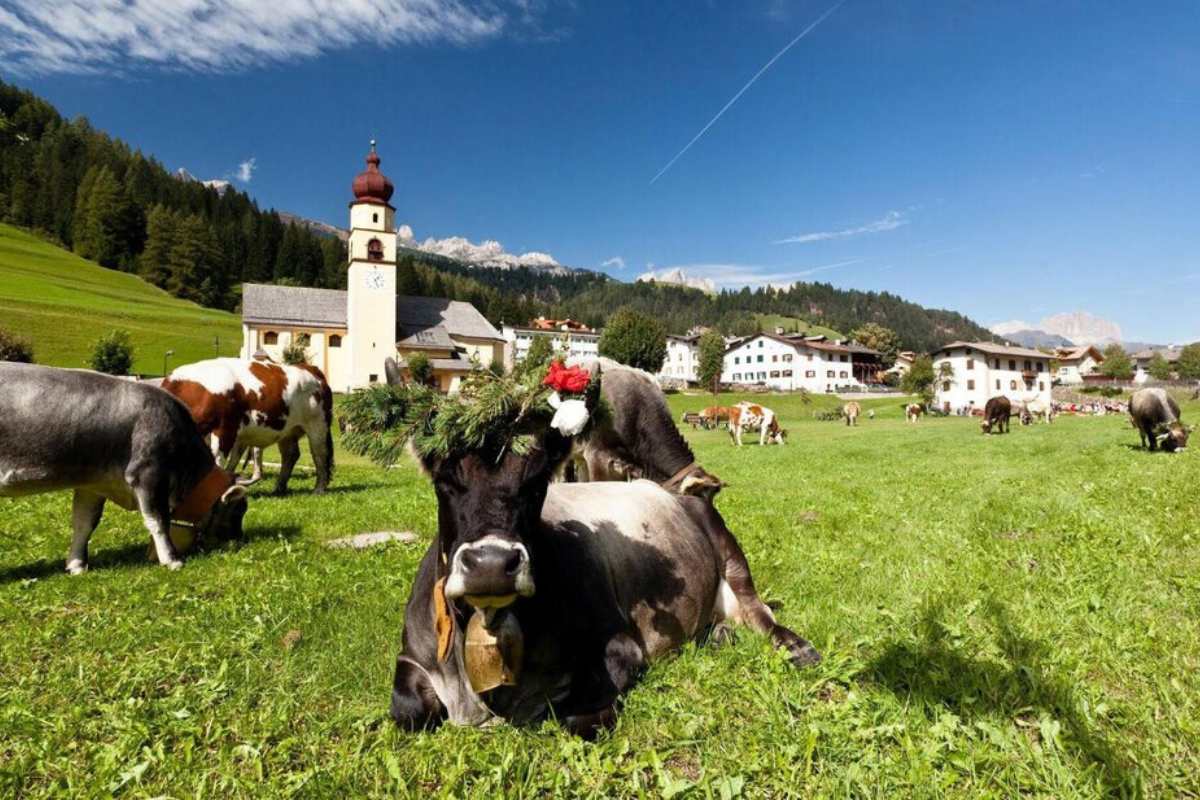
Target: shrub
297	350
420	370
13	348
113	353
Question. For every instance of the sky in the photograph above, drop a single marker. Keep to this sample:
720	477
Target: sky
1003	159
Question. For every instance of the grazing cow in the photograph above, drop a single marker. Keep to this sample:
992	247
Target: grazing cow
1156	416
715	415
1037	409
252	404
996	414
851	411
913	412
111	439
540	599
748	416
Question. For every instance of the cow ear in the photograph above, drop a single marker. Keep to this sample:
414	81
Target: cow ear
234	493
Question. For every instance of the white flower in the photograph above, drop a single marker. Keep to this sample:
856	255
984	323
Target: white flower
570	418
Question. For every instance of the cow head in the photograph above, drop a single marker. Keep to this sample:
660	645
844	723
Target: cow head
215	506
776	434
1173	436
695	481
488	510
986	425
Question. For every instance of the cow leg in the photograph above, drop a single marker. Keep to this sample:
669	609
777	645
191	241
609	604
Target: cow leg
320	445
86	509
156	513
415	705
592	703
739	600
289	454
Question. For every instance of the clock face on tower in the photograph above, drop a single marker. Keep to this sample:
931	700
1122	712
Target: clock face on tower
374	279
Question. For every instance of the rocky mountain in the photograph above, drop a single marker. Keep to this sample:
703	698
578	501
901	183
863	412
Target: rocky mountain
678	277
316	226
1035	339
1079	327
221	186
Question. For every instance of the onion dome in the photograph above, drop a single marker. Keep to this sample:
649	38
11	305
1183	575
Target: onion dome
371	185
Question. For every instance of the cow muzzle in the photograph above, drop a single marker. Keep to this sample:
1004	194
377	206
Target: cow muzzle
490	573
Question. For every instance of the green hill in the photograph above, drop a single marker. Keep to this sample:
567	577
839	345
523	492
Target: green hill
62	304
769	322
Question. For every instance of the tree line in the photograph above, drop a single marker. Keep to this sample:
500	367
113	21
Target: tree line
110	203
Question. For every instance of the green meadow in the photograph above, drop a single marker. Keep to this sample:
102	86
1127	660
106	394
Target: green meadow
1002	616
63	304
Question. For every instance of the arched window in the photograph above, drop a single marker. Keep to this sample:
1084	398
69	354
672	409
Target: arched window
375	250
270	337
335	341
1012	384
374	218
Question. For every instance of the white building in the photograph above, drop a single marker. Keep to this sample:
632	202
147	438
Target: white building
1141	361
982	370
683	359
1076	362
348	334
567	338
788	363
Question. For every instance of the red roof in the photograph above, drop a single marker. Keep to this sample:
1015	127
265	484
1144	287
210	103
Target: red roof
371	185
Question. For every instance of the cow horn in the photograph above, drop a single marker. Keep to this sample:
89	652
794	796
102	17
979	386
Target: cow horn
234	493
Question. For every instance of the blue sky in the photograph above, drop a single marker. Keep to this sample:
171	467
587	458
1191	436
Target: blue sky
1005	159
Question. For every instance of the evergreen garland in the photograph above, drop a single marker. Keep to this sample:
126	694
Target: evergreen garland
491	415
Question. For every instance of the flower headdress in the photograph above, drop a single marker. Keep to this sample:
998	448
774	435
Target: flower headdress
490	414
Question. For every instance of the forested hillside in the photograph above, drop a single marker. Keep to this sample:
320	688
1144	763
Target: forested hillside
114	205
111	204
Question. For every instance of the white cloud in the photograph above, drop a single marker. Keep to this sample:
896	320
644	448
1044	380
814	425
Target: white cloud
245	170
96	36
488	253
735	276
616	262
888	222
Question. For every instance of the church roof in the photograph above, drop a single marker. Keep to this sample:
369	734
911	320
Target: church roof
326	308
293	305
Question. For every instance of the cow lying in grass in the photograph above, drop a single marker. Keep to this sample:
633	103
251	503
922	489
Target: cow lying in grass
542	599
109	439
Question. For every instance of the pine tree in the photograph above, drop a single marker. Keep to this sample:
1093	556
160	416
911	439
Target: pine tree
154	263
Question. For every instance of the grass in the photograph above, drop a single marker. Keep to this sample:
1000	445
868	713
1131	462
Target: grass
63	304
1000	616
768	323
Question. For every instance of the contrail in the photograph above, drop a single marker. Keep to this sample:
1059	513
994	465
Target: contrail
749	83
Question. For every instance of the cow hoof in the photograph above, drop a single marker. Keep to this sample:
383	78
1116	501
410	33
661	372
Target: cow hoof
174	565
76	567
722	635
803	655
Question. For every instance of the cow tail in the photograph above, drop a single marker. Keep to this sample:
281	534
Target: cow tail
327	408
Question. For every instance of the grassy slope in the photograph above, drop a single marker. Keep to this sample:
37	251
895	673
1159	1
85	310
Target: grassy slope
769	321
999	616
63	303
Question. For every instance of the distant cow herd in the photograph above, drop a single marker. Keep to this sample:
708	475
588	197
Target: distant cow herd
585	556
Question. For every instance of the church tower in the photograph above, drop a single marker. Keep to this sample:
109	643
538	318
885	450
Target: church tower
371	283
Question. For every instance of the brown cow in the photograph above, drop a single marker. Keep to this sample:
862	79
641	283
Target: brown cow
851	411
913	412
748	416
247	404
996	414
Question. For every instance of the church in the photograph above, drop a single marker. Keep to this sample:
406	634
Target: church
348	334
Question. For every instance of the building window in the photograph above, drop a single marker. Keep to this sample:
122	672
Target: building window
373	378
787	357
810	373
1012	385
774	373
1028	365
945	386
1012	364
270	337
375	217
1041	386
374	250
970	386
996	365
997	384
762	376
843	374
787	373
737	360
1040	365
760	342
830	374
335	341
843	358
760	358
774	359
970	363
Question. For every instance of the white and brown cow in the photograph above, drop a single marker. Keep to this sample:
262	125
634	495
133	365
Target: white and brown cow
251	404
913	411
746	416
851	412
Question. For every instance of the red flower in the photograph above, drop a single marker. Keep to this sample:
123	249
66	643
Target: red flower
568	380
